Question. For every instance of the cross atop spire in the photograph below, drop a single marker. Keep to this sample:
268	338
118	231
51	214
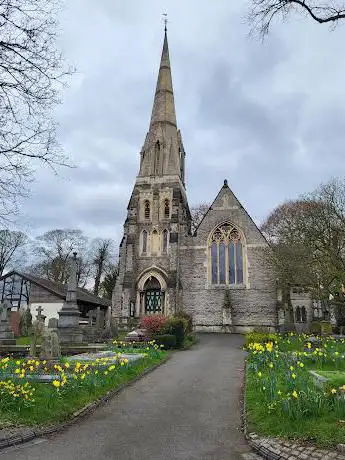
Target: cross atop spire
165	21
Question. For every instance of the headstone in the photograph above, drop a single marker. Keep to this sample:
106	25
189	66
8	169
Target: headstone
50	348
53	323
39	316
6	334
138	335
37	332
68	327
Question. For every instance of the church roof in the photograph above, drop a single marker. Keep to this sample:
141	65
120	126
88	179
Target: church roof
225	187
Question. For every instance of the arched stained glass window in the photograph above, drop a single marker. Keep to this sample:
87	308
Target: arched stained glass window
147	209
226	255
165	241
144	242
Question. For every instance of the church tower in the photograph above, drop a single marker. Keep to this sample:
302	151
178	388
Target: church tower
157	214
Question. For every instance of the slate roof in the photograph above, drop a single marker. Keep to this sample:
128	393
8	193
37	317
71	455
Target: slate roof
60	290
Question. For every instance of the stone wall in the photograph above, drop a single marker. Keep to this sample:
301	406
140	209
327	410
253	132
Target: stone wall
255	302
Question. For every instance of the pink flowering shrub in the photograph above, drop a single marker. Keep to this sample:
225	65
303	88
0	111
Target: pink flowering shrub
153	323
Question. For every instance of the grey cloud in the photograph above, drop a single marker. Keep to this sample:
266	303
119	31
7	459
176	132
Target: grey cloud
261	115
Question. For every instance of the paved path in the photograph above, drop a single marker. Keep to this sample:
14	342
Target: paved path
186	409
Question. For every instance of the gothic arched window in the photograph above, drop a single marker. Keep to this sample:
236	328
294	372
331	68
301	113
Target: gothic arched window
166	208
144	242
165	241
298	316
303	314
147	209
226	255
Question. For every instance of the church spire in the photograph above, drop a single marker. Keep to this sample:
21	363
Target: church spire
163	153
163	110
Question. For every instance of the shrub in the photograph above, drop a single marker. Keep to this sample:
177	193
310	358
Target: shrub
176	326
167	340
259	337
321	327
186	316
153	323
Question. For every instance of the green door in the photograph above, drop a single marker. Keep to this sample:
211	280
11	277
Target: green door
153	301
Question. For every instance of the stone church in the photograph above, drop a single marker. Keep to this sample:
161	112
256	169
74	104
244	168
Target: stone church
164	266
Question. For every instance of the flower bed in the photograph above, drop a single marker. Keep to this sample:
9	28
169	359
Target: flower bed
281	396
74	384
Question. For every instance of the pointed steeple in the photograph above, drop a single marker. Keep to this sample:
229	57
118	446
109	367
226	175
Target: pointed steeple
162	153
163	110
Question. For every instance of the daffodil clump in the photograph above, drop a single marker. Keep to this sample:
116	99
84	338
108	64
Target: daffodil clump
278	373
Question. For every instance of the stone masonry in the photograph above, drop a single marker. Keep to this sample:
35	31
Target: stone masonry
165	267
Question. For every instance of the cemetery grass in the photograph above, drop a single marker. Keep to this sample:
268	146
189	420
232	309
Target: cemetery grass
326	431
52	406
281	397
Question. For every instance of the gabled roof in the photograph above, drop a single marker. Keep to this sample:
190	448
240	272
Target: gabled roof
226	186
60	289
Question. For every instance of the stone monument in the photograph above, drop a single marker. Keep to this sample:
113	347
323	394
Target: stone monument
6	334
68	326
50	348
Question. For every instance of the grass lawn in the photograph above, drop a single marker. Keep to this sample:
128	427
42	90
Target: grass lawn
325	430
281	397
51	404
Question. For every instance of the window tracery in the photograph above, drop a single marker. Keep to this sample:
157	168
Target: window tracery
226	255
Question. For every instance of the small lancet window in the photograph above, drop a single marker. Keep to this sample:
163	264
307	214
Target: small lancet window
165	241
166	209
298	315
303	314
147	209
144	242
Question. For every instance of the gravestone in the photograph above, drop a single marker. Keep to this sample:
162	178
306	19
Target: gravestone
6	334
53	323
37	332
50	348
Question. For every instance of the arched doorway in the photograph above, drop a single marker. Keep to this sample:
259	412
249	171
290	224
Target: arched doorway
153	296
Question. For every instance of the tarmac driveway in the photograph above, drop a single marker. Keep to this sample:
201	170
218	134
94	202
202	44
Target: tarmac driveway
186	409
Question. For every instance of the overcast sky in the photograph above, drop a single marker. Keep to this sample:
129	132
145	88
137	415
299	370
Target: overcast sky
269	117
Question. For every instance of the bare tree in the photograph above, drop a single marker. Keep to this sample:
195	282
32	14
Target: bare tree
31	74
197	213
308	239
10	243
263	12
102	254
107	286
55	249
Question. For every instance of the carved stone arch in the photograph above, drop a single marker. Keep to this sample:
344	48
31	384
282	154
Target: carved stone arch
152	296
156	272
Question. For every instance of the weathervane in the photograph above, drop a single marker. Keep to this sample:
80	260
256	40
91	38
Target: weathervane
165	21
